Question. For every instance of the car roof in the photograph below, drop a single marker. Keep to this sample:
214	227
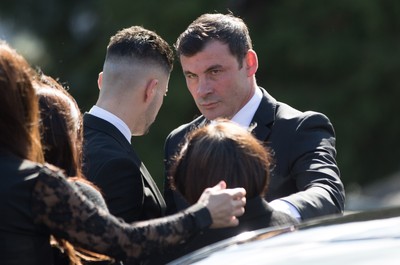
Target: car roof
356	238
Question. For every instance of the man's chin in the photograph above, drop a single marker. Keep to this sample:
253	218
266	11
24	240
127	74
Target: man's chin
212	116
209	115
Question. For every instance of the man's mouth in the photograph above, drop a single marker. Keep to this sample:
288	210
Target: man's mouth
208	105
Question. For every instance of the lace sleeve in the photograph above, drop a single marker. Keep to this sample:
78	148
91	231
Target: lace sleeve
60	206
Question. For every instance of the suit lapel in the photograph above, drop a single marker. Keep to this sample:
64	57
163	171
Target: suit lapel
98	124
199	122
150	182
264	117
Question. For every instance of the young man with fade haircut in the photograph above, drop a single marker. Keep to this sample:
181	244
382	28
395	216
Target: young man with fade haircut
220	65
132	86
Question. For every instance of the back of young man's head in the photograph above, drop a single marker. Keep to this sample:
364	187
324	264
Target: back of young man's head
142	45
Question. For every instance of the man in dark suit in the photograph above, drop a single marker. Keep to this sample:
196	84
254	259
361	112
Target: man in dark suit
132	86
219	65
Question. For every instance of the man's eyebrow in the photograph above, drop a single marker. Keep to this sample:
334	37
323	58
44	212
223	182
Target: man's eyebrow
210	68
188	72
213	67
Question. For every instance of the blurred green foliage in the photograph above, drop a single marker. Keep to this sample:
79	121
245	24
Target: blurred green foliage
339	57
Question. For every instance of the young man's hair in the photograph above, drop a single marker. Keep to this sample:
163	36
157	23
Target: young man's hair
140	44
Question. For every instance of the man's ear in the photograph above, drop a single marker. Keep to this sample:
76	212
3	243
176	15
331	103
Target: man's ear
151	89
100	80
251	62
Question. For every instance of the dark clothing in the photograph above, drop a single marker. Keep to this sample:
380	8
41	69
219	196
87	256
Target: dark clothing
22	241
92	194
305	172
111	164
258	214
36	202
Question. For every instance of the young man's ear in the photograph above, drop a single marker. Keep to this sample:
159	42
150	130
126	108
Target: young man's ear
251	62
100	80
151	89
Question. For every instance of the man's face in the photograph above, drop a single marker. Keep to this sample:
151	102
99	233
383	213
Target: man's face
218	86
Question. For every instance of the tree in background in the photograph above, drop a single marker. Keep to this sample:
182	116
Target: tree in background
340	57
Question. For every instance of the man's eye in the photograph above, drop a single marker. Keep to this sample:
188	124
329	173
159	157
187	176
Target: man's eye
190	76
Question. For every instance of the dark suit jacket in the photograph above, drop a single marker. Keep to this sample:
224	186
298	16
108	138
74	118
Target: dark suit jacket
111	163
305	173
258	214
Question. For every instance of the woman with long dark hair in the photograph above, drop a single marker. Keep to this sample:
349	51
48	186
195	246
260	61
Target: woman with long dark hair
36	200
61	138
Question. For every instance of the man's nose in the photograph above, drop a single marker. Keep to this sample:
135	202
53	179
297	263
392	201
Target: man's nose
204	87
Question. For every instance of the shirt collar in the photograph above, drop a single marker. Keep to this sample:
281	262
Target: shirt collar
113	119
245	115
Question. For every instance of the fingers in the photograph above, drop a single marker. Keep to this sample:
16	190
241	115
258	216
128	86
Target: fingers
238	206
233	222
225	206
238	196
237	193
220	186
237	210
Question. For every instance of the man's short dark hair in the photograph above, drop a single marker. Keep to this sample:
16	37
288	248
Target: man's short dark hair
227	29
139	43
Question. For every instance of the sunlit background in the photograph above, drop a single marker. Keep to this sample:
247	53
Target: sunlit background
339	57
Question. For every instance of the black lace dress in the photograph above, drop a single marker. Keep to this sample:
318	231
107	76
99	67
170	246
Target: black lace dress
37	201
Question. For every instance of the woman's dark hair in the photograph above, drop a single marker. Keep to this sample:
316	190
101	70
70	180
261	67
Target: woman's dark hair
61	136
19	117
221	151
61	126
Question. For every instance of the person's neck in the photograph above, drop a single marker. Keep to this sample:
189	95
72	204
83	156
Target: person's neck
117	111
112	118
249	96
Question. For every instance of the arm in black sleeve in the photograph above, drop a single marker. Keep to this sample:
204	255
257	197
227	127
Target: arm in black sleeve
61	207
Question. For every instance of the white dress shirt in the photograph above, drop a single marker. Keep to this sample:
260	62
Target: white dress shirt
244	118
114	120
